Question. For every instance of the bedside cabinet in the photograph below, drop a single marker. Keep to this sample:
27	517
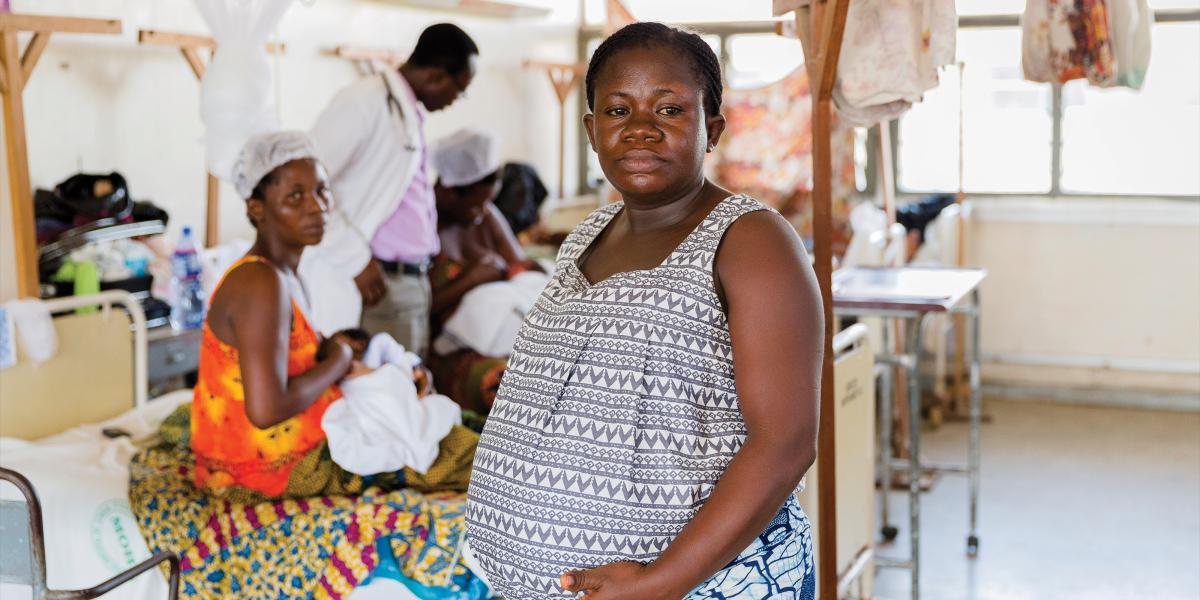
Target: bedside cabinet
172	357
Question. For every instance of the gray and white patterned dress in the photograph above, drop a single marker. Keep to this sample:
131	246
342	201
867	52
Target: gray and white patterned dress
616	417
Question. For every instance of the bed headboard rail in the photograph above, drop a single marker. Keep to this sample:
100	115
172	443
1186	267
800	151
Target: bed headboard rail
98	372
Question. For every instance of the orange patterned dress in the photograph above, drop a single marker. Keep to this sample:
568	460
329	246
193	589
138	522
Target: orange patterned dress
229	449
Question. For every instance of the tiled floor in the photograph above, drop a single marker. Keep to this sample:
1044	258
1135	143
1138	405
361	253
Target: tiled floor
1076	503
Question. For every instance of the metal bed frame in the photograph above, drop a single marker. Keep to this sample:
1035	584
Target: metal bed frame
29	568
36	541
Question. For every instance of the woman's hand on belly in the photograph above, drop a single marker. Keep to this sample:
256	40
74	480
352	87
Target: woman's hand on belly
618	581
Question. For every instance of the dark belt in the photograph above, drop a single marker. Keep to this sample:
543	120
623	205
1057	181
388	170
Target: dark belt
392	267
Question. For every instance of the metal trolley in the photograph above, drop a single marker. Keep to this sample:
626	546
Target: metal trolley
914	294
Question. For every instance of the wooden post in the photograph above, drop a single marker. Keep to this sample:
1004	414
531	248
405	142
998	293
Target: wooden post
828	25
189	46
212	211
15	70
20	194
563	78
887	183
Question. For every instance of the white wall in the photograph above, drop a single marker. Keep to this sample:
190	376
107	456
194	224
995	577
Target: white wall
1082	292
101	103
1098	293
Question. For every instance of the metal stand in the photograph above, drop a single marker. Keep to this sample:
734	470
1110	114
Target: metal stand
916	318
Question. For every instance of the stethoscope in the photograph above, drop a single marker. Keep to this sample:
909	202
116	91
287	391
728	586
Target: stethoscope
395	108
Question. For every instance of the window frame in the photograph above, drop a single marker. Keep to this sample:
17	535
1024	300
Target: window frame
729	29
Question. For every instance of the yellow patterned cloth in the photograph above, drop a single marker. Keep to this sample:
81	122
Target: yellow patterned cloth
321	541
452	469
318	547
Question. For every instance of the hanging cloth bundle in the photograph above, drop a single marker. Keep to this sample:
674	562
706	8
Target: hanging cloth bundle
891	53
1106	42
236	97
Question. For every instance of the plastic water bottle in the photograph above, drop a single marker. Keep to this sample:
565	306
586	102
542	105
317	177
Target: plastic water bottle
187	291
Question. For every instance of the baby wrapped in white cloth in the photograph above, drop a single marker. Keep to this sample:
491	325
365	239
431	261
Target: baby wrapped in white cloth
381	424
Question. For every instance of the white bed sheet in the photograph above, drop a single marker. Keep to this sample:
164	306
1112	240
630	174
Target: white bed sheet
82	479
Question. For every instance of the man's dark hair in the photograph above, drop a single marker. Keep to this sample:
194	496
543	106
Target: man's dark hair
705	65
443	45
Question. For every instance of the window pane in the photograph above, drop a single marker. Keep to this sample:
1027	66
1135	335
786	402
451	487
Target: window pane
1120	141
685	11
1157	4
1008	123
990	7
757	59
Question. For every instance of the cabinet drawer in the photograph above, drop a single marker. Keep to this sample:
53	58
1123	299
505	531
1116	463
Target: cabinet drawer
173	356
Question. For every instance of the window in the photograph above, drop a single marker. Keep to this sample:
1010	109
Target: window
1110	140
989	7
684	11
757	59
1017	133
1121	141
1008	123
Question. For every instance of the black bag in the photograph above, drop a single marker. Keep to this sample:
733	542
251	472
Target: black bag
521	195
86	198
92	197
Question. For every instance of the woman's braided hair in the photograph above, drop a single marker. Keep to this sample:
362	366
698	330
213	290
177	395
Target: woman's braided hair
705	64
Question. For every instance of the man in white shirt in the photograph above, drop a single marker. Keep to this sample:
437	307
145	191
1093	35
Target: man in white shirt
374	259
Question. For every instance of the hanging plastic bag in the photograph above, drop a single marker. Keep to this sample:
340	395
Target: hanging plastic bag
1064	40
1131	21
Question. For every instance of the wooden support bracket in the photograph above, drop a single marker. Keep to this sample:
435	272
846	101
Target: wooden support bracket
368	61
153	37
33	52
16	67
563	76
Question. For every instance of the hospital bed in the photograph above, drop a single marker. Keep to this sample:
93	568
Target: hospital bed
103	336
68	428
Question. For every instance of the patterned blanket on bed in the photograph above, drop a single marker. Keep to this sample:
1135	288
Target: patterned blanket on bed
319	547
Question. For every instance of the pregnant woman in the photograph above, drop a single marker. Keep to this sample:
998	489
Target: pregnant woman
660	406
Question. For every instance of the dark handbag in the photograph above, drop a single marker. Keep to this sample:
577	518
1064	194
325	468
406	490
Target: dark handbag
92	197
81	200
521	195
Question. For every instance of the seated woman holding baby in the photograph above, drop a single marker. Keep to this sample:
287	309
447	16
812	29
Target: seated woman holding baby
266	377
478	248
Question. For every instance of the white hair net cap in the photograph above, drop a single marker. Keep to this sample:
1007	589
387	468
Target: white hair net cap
466	156
266	152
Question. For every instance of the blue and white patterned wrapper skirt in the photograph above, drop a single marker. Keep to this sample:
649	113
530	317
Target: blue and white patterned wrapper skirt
778	565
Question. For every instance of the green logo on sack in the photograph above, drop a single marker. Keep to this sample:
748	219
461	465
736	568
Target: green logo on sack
113	530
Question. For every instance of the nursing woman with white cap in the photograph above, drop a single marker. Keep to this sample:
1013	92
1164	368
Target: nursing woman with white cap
477	247
261	390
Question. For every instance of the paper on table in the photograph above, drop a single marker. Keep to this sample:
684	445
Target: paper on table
904	283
